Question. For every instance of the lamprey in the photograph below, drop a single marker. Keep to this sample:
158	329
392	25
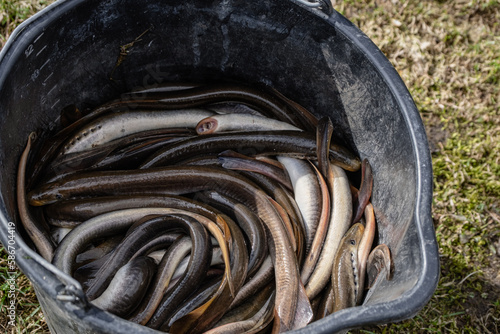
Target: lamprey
365	244
197	244
320	233
264	101
345	274
340	221
379	260
38	234
236	161
323	141
128	287
117	125
240	122
293	143
365	191
307	193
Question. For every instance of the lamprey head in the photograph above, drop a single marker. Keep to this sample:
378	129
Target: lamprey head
47	194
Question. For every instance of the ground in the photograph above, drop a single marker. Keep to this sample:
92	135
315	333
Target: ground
448	54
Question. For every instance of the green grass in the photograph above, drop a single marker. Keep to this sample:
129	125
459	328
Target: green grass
12	13
29	317
448	54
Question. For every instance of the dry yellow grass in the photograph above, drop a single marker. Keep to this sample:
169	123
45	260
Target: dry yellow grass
448	54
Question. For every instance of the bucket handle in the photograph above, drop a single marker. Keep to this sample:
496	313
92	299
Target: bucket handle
325	5
72	291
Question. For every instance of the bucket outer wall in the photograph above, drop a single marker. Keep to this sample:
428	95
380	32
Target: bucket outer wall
70	54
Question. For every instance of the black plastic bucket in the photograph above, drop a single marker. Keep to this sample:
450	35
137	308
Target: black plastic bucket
86	52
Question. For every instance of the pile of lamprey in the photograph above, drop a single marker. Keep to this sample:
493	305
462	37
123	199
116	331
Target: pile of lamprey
193	208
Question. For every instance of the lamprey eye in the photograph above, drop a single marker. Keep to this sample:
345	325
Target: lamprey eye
59	196
353	242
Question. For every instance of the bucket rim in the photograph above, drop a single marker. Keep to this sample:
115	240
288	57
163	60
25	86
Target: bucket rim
403	307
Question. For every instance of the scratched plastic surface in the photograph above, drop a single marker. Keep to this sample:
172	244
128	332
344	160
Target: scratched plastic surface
86	52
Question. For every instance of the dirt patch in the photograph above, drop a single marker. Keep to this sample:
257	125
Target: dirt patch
437	134
492	271
484	315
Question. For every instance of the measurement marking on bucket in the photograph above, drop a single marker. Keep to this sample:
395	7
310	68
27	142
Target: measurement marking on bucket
43	65
35	74
47	78
56	103
29	50
41	50
50	91
39	36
